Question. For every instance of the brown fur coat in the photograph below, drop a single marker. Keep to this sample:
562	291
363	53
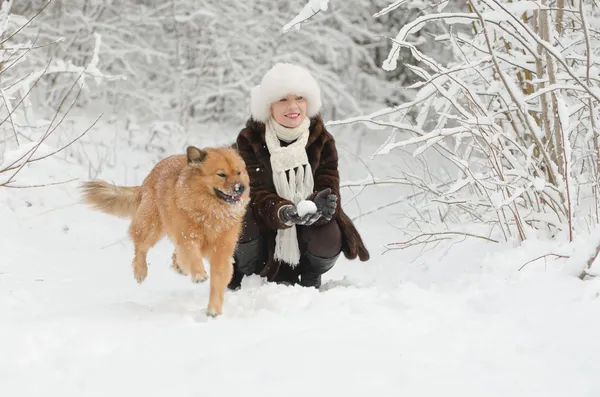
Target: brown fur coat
264	201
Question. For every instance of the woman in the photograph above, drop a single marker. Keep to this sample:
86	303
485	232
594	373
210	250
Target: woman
291	157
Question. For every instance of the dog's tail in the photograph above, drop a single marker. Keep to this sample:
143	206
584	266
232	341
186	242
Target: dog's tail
121	201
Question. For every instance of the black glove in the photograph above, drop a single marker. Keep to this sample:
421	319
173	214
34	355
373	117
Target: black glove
326	203
309	218
289	214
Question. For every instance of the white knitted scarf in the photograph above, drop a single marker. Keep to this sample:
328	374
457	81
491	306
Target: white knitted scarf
292	158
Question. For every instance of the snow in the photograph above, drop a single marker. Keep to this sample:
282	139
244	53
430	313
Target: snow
306	207
539	184
458	320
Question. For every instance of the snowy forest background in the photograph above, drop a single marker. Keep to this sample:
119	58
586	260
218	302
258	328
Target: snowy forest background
492	104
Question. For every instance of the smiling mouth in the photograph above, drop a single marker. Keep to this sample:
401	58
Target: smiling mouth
292	115
226	197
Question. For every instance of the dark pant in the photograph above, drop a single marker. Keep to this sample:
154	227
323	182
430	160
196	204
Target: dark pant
320	246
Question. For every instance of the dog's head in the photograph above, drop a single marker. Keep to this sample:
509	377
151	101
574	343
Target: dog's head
223	172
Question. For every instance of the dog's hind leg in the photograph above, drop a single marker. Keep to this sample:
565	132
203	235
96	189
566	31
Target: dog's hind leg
221	270
145	231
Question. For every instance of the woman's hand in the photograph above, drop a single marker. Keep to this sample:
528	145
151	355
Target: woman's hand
326	203
288	214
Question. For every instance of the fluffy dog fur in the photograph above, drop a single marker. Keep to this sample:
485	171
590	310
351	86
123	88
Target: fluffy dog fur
197	200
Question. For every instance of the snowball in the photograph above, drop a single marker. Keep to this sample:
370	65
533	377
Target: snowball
306	207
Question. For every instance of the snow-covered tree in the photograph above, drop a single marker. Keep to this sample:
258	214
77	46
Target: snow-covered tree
27	136
181	60
512	116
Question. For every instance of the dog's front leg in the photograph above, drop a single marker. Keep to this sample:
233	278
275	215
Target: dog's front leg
188	258
221	271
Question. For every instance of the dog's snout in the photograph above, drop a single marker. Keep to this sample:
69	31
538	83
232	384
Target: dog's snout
239	188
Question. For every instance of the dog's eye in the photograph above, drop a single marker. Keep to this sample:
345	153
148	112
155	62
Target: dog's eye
239	172
222	174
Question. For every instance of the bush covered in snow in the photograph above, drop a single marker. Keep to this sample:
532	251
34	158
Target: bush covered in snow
26	135
512	117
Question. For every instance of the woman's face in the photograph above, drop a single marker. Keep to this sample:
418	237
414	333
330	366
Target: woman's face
289	111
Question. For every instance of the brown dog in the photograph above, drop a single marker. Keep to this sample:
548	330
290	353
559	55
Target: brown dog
198	201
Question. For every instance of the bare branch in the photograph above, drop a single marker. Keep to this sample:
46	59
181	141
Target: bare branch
11	186
428	235
540	257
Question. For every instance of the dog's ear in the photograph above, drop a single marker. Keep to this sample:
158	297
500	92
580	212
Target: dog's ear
195	155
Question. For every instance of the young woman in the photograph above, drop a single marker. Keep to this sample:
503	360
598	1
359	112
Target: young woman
290	157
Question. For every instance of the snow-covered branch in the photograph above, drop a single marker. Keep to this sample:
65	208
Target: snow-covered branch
312	8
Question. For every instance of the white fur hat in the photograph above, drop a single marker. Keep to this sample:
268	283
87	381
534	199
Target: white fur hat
281	80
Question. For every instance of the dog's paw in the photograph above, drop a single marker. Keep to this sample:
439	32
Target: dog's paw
140	274
199	278
212	313
213	309
177	270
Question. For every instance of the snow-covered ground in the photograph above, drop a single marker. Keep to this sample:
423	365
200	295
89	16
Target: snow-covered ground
458	321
